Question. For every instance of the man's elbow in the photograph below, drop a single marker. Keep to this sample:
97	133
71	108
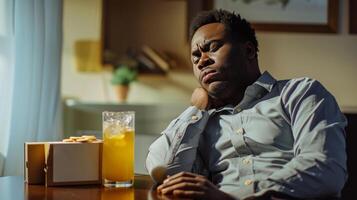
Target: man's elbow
156	159
153	162
335	182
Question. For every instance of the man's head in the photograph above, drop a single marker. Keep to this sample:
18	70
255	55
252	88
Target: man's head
224	54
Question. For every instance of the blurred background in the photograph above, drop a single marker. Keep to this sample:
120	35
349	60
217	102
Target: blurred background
61	67
328	57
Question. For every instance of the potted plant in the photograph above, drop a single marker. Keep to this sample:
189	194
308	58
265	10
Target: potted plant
122	77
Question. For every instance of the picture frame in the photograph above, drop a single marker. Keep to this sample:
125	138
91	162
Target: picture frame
328	25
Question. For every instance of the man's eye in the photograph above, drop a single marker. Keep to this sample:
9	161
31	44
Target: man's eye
195	60
195	57
214	47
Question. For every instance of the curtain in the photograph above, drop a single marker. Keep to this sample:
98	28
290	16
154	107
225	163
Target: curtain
6	72
35	97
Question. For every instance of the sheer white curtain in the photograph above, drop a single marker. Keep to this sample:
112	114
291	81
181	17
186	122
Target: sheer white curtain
33	91
6	71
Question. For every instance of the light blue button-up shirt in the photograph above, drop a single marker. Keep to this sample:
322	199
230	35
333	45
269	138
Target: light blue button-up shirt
286	136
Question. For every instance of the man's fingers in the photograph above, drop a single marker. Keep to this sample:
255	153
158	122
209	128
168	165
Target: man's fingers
159	188
184	186
180	180
182	174
189	194
200	98
183	177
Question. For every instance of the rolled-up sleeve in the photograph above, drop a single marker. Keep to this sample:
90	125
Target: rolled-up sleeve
318	168
175	150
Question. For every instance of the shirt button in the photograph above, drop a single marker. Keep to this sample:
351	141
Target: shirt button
194	117
238	109
246	161
240	131
248	182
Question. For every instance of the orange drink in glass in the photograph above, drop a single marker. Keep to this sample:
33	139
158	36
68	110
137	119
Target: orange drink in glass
118	149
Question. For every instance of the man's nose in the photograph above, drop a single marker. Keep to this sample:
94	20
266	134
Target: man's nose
204	61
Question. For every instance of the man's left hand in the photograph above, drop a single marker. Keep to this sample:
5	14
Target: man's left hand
190	185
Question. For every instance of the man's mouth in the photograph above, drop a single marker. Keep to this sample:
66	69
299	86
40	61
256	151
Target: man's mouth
208	76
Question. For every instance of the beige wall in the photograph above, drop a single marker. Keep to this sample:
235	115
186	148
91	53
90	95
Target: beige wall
82	21
330	58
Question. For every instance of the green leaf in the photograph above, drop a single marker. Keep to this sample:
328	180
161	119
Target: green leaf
124	75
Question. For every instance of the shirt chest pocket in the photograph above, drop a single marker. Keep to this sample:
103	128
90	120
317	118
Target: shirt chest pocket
261	133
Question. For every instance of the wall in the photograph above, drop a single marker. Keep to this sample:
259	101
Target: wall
329	58
82	21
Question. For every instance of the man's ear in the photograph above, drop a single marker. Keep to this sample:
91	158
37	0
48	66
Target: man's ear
250	50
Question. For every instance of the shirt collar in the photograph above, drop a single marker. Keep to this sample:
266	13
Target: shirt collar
266	81
263	85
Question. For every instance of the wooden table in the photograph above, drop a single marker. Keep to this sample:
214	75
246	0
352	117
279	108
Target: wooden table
14	188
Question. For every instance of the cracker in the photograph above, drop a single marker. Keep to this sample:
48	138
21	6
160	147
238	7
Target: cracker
90	137
67	140
82	140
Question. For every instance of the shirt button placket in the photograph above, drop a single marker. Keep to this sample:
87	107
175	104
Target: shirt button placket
239	143
240	131
248	182
246	161
194	117
246	167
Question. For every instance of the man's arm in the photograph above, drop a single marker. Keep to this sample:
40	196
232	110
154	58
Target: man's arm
175	150
319	166
186	184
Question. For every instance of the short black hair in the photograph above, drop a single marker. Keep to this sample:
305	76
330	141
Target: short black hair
238	27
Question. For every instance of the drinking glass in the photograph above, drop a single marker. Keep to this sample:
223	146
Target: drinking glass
118	148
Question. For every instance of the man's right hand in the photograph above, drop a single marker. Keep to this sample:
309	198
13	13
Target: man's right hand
200	99
203	101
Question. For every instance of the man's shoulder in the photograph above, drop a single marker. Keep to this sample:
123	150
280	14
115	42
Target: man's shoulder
190	112
299	85
301	88
298	81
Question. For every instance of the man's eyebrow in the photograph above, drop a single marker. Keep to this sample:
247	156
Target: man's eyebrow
215	40
209	42
195	51
194	47
206	44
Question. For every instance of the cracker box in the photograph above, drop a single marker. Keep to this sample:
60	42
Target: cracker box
63	163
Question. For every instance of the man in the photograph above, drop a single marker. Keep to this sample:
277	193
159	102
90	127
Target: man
247	135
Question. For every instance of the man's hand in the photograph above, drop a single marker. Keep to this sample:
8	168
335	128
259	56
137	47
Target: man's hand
203	101
189	185
200	99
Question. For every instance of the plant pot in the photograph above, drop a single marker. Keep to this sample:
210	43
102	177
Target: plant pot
122	92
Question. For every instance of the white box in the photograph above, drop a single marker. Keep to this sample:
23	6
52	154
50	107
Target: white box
64	163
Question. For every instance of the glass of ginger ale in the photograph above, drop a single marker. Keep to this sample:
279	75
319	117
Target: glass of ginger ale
118	149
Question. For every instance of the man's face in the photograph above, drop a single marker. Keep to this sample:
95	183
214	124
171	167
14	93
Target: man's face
219	63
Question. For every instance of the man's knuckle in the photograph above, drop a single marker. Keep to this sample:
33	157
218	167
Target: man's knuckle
185	184
200	184
201	179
